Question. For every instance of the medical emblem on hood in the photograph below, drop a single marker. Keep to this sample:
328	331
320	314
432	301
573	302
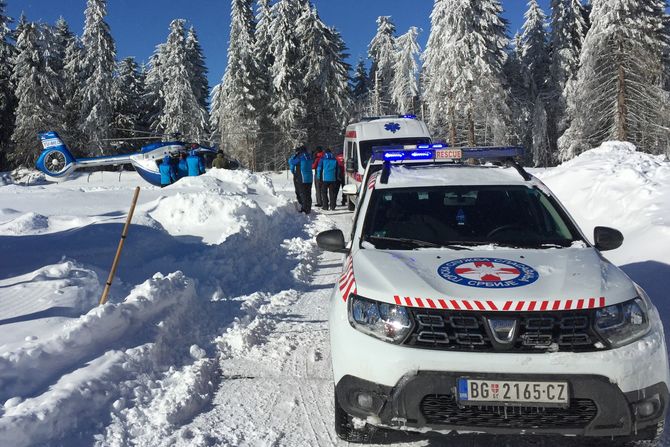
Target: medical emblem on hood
488	273
503	329
392	127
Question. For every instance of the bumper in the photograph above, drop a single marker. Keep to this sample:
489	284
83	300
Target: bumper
426	402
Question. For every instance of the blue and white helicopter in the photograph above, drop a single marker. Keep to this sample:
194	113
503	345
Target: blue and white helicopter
57	161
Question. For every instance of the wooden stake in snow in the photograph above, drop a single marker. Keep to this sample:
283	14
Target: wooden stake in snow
115	264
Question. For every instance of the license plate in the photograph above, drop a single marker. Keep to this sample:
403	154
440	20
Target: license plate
476	392
448	154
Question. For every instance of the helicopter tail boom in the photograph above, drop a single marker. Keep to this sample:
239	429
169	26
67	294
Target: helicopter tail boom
55	160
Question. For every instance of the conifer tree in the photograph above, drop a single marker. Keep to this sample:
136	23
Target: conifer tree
196	60
7	98
287	78
238	113
182	114
326	79
152	100
98	65
568	29
37	93
73	81
465	81
535	58
361	91
405	85
382	52
128	94
618	93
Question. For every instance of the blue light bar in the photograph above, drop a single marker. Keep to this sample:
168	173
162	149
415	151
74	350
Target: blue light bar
410	117
494	153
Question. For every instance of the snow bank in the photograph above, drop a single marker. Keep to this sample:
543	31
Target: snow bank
29	223
26	370
614	185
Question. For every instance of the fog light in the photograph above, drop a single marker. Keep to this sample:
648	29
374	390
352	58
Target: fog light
648	407
365	401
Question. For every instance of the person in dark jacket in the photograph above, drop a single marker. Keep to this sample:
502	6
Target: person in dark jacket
182	166
340	162
220	161
196	165
317	182
328	171
301	167
168	172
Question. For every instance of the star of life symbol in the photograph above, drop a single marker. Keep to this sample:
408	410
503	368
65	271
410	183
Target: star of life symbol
488	273
392	127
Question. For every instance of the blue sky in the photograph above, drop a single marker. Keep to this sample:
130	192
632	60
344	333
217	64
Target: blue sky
139	25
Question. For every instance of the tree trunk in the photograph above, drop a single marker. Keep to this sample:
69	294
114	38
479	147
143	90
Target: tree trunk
622	111
471	129
452	126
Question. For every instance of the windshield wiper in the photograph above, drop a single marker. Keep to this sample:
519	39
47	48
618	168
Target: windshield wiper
416	242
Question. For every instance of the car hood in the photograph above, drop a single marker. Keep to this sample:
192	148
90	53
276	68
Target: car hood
494	280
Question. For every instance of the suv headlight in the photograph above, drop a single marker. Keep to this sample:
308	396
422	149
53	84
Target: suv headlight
623	323
387	322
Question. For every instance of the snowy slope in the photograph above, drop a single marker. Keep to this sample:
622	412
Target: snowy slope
216	333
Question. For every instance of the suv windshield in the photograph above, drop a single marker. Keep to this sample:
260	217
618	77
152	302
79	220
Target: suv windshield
459	216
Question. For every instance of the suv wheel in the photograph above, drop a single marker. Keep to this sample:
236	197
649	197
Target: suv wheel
347	430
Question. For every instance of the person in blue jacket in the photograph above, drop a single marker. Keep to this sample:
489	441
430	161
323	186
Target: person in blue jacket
182	166
195	163
168	172
300	164
328	171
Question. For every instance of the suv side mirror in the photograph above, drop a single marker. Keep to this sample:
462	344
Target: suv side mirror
351	166
607	238
332	240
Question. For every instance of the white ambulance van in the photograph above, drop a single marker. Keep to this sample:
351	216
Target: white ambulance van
360	138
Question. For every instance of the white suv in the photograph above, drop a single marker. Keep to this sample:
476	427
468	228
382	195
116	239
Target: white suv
471	302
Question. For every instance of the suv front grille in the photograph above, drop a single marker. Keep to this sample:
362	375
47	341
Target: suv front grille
568	331
444	410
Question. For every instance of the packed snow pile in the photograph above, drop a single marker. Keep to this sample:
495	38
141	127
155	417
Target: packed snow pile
617	186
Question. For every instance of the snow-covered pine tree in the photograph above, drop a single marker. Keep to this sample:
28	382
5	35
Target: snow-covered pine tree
182	114
405	85
196	60
98	65
465	80
287	76
36	93
361	91
535	58
520	130
153	103
270	154
238	115
326	79
7	98
618	92
382	53
128	94
568	29
61	36
73	82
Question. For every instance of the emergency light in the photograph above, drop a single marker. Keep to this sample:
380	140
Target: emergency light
441	152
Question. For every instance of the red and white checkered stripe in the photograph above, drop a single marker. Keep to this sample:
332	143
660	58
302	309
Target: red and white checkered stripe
347	282
372	182
508	306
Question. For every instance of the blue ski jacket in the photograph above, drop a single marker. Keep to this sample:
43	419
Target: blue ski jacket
168	172
327	168
182	168
196	165
303	162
